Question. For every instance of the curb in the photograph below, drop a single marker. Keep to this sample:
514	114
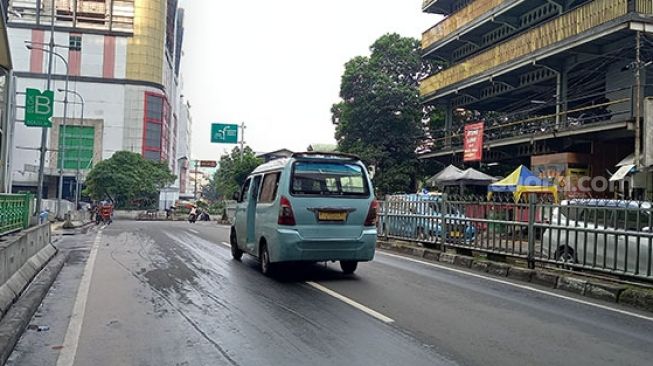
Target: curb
632	296
18	316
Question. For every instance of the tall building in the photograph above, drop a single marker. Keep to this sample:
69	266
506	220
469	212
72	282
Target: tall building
186	189
5	97
123	58
553	84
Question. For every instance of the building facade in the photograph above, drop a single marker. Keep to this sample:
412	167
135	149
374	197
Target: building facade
561	86
184	153
6	86
123	58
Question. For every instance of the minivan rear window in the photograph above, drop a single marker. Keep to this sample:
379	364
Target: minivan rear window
329	179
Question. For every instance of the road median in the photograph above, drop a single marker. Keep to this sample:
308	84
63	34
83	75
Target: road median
27	273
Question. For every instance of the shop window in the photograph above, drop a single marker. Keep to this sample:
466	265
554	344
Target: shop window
155	127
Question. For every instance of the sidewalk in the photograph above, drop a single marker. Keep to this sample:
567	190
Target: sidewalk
73	228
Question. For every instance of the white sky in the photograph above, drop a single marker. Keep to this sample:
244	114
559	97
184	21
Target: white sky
276	65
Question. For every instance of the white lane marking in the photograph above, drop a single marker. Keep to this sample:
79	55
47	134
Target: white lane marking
194	231
71	340
351	302
342	298
523	287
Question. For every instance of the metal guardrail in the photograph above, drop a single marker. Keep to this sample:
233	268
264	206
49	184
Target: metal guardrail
14	212
573	119
608	236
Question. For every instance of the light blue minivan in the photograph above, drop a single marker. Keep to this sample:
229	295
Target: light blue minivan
311	207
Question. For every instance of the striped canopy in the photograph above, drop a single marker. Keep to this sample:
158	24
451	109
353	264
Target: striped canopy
521	181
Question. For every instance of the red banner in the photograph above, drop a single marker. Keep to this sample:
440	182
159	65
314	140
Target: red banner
474	142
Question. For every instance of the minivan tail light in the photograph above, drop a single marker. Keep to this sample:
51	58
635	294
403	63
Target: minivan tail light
286	215
372	214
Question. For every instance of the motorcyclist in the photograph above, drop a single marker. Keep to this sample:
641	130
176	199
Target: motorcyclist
192	217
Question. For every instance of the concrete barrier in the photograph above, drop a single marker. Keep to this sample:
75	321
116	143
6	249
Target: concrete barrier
22	256
127	215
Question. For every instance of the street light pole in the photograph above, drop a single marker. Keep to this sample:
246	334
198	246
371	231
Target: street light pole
62	153
44	130
63	130
77	174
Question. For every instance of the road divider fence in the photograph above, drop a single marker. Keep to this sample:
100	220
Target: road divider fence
609	236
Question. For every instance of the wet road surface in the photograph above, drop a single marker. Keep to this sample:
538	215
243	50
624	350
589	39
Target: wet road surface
169	294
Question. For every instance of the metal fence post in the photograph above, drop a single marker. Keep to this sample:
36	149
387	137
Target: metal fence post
532	198
26	210
386	215
443	222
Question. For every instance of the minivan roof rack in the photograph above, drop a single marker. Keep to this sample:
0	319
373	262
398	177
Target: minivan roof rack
317	154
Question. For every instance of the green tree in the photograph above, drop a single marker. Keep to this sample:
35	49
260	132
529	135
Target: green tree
380	117
128	179
209	192
232	172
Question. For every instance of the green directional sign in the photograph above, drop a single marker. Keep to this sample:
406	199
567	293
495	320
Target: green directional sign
39	107
224	133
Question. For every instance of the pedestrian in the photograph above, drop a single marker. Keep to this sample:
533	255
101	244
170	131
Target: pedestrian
192	217
92	209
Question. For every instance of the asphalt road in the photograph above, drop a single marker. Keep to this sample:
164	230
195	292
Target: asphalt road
169	294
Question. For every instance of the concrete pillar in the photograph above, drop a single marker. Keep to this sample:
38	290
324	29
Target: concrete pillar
647	132
562	86
448	124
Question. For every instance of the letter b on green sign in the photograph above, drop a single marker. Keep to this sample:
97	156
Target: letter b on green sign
39	108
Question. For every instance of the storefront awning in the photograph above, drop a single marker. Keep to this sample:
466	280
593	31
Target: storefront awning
622	172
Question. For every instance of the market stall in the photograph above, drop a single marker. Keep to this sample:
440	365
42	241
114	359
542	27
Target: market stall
522	181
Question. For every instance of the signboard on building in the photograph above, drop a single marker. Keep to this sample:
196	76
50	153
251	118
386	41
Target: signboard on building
473	145
208	163
224	133
39	107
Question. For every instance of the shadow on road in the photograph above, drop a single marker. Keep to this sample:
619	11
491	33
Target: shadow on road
302	272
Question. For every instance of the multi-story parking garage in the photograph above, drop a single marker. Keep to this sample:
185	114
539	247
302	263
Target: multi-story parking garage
556	84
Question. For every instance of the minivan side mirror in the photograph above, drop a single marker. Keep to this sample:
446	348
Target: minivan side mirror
236	196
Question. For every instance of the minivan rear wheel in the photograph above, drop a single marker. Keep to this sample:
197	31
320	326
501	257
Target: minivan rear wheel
348	267
264	258
236	253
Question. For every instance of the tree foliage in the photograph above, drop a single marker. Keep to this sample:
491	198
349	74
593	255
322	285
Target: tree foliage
209	191
128	179
232	173
380	117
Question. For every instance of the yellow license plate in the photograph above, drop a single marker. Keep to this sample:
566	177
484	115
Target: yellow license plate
456	234
332	216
